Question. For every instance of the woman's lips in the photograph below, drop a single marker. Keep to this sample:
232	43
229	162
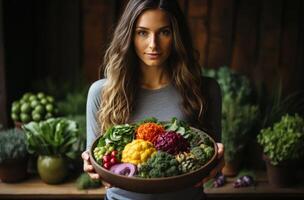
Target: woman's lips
153	56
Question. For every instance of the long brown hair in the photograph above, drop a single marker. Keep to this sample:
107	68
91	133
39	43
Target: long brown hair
121	66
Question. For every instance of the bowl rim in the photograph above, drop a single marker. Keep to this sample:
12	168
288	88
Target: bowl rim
211	160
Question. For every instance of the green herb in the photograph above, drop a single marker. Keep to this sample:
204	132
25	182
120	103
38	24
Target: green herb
284	140
239	115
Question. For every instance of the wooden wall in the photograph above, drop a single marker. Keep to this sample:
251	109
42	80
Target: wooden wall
262	39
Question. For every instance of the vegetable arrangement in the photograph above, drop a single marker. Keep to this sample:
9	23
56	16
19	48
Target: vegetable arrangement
152	149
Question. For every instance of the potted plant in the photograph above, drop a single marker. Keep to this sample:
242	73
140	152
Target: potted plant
283	145
52	140
239	115
13	155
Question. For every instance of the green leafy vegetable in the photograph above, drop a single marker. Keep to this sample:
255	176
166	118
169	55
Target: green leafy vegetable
55	136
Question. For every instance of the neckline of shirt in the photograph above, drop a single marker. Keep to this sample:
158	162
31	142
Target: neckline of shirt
156	90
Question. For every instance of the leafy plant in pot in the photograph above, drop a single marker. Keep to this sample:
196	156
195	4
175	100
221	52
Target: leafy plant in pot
283	145
239	115
52	140
13	155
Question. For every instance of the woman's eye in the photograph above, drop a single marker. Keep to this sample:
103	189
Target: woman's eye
141	33
166	32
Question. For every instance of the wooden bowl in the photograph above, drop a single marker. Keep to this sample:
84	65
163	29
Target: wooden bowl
155	185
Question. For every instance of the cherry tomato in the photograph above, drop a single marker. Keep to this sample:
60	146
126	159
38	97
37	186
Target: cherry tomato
106	158
114	153
107	165
113	160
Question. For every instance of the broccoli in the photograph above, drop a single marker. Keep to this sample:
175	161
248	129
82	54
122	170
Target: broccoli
161	164
203	153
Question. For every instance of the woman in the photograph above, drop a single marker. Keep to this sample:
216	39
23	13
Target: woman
151	70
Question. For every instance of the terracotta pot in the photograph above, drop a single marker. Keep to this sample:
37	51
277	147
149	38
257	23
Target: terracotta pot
281	175
231	169
13	170
18	125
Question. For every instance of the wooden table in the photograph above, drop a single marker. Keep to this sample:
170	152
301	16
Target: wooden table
34	188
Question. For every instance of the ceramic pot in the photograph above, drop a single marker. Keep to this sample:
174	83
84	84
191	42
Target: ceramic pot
52	169
231	169
13	170
281	175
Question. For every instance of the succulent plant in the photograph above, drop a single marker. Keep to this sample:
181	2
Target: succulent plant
187	162
12	145
172	143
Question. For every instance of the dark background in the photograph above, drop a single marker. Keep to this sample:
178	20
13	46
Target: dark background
64	40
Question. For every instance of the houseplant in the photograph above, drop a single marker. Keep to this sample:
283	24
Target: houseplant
239	115
283	145
52	140
13	155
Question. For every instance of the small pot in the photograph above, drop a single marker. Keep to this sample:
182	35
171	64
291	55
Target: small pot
281	175
18	125
52	169
13	170
231	169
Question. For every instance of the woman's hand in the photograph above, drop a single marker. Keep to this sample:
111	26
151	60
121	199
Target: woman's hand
88	167
218	168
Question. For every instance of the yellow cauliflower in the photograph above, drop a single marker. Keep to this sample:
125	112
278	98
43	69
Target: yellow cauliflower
137	152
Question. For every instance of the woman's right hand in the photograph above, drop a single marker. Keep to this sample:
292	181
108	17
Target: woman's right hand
87	166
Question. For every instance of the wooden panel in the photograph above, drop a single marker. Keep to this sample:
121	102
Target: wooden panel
98	17
245	38
220	33
300	51
184	6
290	41
269	45
63	45
3	114
198	22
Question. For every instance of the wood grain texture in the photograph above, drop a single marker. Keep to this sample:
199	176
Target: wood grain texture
269	43
198	23
98	18
245	36
3	100
289	44
220	33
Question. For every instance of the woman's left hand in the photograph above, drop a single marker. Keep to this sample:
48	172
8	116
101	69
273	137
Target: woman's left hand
218	168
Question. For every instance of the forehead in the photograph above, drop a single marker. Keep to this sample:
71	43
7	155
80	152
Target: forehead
153	19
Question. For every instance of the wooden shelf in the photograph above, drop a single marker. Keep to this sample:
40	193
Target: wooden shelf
34	188
261	190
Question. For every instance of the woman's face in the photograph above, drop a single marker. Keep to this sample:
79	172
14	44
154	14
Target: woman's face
153	38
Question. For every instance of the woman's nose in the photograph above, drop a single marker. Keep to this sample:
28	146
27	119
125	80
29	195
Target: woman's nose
153	42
